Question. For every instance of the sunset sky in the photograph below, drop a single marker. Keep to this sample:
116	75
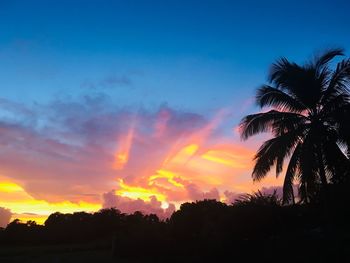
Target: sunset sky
136	104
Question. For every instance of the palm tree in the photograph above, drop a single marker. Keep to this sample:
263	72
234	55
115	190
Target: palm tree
309	119
258	199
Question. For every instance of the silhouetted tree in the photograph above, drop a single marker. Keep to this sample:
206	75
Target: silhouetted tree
309	122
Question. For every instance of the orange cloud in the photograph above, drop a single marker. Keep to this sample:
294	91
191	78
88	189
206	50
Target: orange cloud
194	161
125	143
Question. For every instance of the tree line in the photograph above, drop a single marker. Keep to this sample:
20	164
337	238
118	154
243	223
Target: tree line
200	229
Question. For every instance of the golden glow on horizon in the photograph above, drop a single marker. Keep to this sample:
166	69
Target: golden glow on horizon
39	219
25	207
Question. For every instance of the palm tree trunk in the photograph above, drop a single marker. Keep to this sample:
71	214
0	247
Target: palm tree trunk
293	197
321	168
325	196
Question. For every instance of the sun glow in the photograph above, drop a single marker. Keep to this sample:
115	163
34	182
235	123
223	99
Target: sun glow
136	192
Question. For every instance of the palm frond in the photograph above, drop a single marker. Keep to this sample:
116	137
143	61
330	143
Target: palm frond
289	123
327	56
339	82
320	66
258	199
335	104
273	150
336	162
337	113
303	83
270	96
281	71
267	121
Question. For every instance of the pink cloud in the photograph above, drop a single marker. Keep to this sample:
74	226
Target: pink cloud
129	206
231	197
196	194
5	216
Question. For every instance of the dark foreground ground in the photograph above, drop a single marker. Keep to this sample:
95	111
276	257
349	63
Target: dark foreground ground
325	251
56	254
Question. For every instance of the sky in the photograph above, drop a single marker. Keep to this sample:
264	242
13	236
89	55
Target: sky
136	104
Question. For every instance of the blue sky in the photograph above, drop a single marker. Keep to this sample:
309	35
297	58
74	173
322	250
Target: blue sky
193	55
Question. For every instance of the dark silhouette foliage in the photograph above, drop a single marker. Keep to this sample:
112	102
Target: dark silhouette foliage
249	229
